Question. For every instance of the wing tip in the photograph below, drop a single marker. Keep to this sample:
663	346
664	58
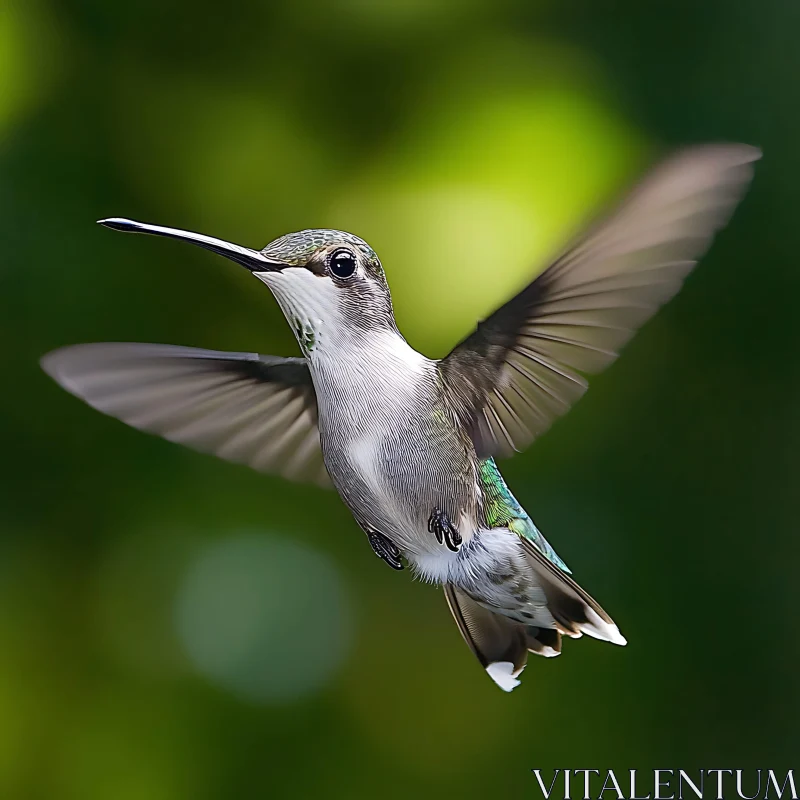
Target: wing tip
52	363
732	153
48	362
61	365
750	152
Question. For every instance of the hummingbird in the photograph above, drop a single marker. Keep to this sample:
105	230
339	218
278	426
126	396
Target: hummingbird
410	443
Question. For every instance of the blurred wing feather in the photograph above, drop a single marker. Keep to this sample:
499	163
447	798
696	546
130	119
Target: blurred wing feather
525	365
250	409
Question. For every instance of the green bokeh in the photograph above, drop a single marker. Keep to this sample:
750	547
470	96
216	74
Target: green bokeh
465	141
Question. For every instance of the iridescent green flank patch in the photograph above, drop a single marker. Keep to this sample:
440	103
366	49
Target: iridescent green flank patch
503	511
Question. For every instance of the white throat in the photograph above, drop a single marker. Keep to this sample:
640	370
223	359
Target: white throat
366	366
310	304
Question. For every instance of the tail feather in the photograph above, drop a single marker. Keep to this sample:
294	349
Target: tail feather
574	610
502	643
543	641
499	643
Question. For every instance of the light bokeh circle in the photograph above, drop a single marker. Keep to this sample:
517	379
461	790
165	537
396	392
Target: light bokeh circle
264	617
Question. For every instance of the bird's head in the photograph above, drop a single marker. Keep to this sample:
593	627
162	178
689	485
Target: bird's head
329	284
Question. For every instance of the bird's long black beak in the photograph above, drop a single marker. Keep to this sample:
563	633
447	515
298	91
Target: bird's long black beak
249	259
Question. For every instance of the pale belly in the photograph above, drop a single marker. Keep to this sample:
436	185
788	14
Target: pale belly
392	479
394	456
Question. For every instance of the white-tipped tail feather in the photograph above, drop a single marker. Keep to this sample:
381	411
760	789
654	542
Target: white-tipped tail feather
502	643
574	610
598	628
499	643
504	675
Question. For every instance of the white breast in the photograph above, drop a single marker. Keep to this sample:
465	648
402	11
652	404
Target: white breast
362	454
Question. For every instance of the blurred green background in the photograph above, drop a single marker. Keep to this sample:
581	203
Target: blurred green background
172	626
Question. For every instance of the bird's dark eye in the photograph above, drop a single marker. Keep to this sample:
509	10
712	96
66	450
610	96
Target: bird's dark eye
342	263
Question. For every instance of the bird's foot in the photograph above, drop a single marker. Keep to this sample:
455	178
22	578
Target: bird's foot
445	532
386	549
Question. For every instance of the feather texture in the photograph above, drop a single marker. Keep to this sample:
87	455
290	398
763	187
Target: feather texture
499	643
525	365
243	407
502	510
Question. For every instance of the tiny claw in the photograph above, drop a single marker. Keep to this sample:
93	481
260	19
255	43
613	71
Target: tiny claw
446	533
454	537
450	540
385	549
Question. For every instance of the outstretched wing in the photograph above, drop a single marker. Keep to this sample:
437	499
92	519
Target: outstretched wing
525	365
243	407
